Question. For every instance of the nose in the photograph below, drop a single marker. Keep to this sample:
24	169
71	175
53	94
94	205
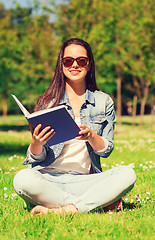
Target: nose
75	64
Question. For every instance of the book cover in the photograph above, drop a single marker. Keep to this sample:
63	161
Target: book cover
57	118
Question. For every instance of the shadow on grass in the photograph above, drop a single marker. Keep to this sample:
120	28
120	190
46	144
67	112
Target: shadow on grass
12	148
131	206
18	128
129	123
128	206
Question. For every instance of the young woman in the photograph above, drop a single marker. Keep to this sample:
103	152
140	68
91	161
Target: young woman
67	177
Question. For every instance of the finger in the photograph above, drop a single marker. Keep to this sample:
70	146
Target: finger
44	131
82	137
48	135
83	132
36	130
82	126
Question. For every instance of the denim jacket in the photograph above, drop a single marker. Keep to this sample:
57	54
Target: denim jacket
97	112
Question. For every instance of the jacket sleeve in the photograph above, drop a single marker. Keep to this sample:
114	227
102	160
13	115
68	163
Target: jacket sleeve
31	158
108	130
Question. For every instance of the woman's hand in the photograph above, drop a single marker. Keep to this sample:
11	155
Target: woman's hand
85	133
40	138
92	137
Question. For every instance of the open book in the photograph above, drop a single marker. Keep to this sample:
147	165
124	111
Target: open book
57	118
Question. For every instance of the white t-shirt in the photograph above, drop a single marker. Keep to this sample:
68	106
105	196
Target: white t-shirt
74	158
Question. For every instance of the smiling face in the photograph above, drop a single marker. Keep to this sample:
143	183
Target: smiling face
75	73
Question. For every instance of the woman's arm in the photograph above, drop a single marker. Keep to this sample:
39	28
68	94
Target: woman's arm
92	137
102	144
40	138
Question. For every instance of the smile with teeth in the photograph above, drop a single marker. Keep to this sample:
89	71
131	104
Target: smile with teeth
75	72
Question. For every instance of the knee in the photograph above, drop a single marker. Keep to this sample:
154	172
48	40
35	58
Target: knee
129	174
23	180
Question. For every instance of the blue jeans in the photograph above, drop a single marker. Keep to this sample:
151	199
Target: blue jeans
86	192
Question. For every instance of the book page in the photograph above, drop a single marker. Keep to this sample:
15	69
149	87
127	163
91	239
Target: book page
38	113
23	109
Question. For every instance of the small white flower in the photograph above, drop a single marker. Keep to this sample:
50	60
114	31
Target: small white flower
122	162
145	167
14	194
126	199
141	165
104	165
131	165
5	188
148	193
5	195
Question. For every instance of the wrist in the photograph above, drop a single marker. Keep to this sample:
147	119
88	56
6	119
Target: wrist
36	149
96	141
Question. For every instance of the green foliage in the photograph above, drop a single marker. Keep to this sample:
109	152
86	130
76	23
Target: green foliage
135	221
28	50
121	34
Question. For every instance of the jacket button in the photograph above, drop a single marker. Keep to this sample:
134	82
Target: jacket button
91	152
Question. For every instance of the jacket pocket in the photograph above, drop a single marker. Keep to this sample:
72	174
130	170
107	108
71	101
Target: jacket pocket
98	123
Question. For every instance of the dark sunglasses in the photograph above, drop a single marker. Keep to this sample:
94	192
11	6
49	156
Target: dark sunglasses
81	61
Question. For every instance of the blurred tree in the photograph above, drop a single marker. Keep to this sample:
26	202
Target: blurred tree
121	35
8	65
28	48
137	49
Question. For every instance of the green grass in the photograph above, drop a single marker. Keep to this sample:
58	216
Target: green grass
133	146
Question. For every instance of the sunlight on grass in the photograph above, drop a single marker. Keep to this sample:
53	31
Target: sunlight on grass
133	147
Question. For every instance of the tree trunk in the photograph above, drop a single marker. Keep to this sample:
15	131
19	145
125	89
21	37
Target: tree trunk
134	110
152	116
143	102
119	99
4	105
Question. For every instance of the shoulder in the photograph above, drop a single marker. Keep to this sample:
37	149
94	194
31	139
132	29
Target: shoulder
102	97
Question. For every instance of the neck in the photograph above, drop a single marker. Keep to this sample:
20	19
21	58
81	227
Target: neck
78	89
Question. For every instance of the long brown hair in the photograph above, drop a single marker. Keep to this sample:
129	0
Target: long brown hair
56	89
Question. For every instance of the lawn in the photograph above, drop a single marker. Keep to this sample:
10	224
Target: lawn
133	146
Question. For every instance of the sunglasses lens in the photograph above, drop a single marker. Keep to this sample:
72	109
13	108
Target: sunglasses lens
82	62
68	62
